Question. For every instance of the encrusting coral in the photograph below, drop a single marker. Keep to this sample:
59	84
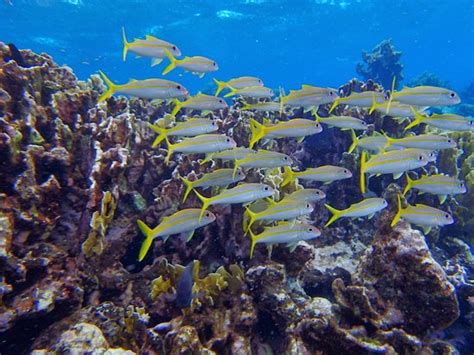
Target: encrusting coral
75	177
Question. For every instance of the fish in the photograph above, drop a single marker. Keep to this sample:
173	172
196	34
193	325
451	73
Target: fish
243	193
148	47
185	221
284	232
422	215
201	102
426	96
255	92
361	99
393	162
447	121
263	159
189	128
237	83
395	109
309	97
229	154
145	89
325	173
296	127
204	143
343	122
184	287
197	65
270	106
15	55
220	177
306	195
285	209
375	143
366	207
437	184
422	141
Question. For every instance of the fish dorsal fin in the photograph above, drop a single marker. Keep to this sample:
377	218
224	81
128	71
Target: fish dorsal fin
151	38
306	86
422	205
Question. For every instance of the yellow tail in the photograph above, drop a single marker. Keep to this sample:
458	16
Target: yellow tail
232	92
418	119
246	106
126	45
392	91
253	239
390	141
177	106
336	214
374	104
409	184
288	176
170	151
205	203
148	232
334	104
399	212
111	87
252	217
173	62
363	159
355	142
258	132
221	85
161	134
189	187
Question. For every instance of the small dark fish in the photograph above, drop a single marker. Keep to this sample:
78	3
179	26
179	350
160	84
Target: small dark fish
16	55
184	287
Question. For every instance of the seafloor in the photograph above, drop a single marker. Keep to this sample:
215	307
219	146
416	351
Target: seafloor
75	176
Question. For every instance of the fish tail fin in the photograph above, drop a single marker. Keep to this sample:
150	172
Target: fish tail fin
252	216
288	176
148	232
205	203
126	45
189	187
392	91
170	151
161	134
363	159
177	106
257	130
111	87
232	92
336	214
409	184
221	85
374	104
246	106
253	239
173	62
207	159
390	140
399	212
355	141
236	166
418	119
334	105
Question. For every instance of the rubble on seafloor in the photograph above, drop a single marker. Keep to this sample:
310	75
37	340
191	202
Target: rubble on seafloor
75	177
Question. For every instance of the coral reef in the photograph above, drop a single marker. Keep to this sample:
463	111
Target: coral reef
382	64
76	175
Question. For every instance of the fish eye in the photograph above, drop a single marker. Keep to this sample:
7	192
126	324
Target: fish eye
310	229
446	216
266	188
174	48
308	205
285	158
470	123
420	158
259	81
228	140
214	64
331	93
452	94
449	141
345	171
213	123
178	87
221	101
208	214
461	184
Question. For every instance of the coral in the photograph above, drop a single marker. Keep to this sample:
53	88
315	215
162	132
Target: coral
76	175
382	64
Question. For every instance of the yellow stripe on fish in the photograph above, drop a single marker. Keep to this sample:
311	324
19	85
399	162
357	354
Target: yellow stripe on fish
367	207
325	174
189	128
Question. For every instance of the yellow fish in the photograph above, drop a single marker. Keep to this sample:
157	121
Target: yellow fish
325	174
237	83
197	65
367	207
189	128
201	102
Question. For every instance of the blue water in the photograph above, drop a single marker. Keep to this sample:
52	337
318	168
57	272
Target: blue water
285	42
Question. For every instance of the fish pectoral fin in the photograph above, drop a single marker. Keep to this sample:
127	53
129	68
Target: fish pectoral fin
426	230
165	238
292	246
292	222
327	182
206	112
156	61
300	139
370	216
397	175
442	199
